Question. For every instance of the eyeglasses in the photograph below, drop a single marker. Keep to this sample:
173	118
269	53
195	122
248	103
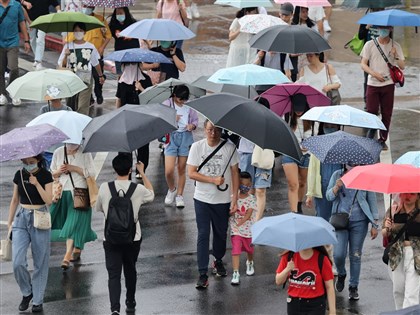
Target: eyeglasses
213	130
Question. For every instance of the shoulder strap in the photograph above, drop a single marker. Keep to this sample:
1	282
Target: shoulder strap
112	189
130	190
24	188
211	155
320	261
400	233
66	160
4	14
380	50
328	73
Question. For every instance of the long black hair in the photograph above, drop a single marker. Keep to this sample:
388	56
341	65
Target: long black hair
129	19
299	104
244	11
296	18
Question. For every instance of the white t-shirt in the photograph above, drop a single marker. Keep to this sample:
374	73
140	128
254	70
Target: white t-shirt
206	192
316	14
83	56
184	112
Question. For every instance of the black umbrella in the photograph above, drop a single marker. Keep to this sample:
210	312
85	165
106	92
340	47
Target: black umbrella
250	120
293	39
128	128
371	3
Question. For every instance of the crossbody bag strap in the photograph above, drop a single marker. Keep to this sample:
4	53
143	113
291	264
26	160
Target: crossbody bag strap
400	232
211	155
328	73
66	160
381	51
24	188
4	14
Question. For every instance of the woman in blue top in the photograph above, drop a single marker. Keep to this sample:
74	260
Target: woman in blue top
363	210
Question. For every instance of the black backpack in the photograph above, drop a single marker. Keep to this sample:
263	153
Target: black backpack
120	227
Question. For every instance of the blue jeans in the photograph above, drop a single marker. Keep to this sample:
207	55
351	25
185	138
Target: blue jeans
323	207
24	233
218	216
353	238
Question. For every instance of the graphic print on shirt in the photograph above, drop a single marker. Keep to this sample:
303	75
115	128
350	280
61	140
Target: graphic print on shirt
305	279
213	167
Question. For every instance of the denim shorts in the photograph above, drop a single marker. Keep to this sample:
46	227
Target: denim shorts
261	178
179	143
303	163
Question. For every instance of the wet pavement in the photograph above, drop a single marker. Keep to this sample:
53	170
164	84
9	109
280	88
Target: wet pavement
167	261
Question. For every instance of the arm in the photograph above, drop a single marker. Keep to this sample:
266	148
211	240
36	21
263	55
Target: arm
146	182
24	31
100	74
149	66
194	175
233	35
235	186
368	70
398	57
45	193
332	189
371	200
13	206
329	286
177	60
192	120
159	7
246	217
284	275
260	57
335	84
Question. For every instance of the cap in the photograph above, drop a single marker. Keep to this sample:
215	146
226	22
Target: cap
286	8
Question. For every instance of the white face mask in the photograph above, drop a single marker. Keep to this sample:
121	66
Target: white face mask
79	35
87	11
72	146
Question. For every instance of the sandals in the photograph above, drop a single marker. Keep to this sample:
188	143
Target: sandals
65	264
75	256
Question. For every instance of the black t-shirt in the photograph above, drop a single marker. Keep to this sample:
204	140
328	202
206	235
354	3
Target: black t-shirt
44	177
40	7
169	68
122	43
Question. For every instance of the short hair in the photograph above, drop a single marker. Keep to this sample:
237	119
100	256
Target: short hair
122	164
245	175
81	25
181	91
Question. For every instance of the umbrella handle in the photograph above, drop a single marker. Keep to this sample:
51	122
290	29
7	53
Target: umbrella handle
222	189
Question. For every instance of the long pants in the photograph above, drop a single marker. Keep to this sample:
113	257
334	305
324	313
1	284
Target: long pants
405	281
8	59
81	101
37	40
98	86
24	233
118	257
381	98
216	215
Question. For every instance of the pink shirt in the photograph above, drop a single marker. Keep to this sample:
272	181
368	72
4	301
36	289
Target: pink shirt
170	10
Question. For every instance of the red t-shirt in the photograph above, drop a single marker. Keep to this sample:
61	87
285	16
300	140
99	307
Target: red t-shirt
305	280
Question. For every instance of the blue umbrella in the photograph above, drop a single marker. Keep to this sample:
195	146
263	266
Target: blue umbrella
392	17
157	29
293	232
343	148
411	158
137	55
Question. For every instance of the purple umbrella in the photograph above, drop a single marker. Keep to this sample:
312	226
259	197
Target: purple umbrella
109	3
21	143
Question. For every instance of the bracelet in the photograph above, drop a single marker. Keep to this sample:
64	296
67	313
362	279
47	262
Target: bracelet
27	41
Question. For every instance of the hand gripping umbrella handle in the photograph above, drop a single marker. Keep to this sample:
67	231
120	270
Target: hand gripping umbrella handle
227	165
224	188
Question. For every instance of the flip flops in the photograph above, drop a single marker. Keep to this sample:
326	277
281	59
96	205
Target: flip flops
75	256
65	264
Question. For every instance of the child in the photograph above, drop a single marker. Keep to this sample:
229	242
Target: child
240	223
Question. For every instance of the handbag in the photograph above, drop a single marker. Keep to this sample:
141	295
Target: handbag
333	94
355	44
262	158
340	220
397	76
6	247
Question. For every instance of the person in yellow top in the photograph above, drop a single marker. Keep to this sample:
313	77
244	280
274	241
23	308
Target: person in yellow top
100	38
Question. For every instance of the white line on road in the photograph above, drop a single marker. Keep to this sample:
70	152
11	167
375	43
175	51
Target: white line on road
99	161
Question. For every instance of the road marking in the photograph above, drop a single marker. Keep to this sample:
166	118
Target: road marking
408	109
99	161
3	222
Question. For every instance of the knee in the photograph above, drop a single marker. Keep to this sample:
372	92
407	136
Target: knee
302	184
355	256
260	192
293	186
181	169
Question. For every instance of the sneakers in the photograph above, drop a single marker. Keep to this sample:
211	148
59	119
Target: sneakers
339	284
327	27
16	101
203	282
250	268
130	306
170	197
23	306
37	308
99	99
353	293
35	64
179	201
235	278
219	269
115	313
39	67
3	99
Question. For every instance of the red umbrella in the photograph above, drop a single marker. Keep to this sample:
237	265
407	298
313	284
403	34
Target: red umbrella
384	178
280	101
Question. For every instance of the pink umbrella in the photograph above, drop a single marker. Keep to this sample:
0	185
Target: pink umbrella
306	3
280	101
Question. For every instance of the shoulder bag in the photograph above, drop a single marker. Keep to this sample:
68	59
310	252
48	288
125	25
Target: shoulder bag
262	158
396	74
333	94
6	247
340	220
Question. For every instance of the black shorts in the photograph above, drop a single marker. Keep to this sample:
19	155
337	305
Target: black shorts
127	94
301	306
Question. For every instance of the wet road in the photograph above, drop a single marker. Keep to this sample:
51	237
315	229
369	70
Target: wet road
167	262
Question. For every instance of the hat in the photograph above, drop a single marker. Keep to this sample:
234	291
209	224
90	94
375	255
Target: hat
286	8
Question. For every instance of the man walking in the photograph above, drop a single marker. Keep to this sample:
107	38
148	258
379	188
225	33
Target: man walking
11	16
123	255
216	194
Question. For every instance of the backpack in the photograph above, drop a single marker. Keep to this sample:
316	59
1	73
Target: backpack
120	227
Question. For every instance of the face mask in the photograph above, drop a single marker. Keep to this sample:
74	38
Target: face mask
244	189
383	32
121	18
30	167
79	35
165	44
328	130
72	147
87	11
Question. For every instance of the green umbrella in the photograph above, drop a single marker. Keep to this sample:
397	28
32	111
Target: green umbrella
64	22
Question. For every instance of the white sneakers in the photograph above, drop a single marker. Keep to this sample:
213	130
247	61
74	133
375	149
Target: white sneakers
327	27
16	102
179	201
170	197
250	268
235	278
3	99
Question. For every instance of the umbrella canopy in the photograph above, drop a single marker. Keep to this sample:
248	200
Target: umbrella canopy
293	39
245	3
411	310
371	3
410	158
157	29
48	83
344	115
241	90
248	74
25	142
293	232
109	3
137	55
392	17
254	23
280	100
64	22
250	120
306	3
384	178
343	148
128	128
71	123
162	91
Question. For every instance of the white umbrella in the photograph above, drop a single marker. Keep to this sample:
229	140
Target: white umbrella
254	23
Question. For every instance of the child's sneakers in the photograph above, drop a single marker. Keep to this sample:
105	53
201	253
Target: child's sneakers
235	278
250	268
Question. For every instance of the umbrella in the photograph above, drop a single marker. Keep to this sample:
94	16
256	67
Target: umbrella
384	178
371	3
51	83
279	97
109	3
64	22
411	158
293	232
245	3
157	29
343	148
250	120
344	115
392	17
71	123
306	3
248	74
137	55
294	39
254	23
244	91
128	128
411	310
162	91
21	143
